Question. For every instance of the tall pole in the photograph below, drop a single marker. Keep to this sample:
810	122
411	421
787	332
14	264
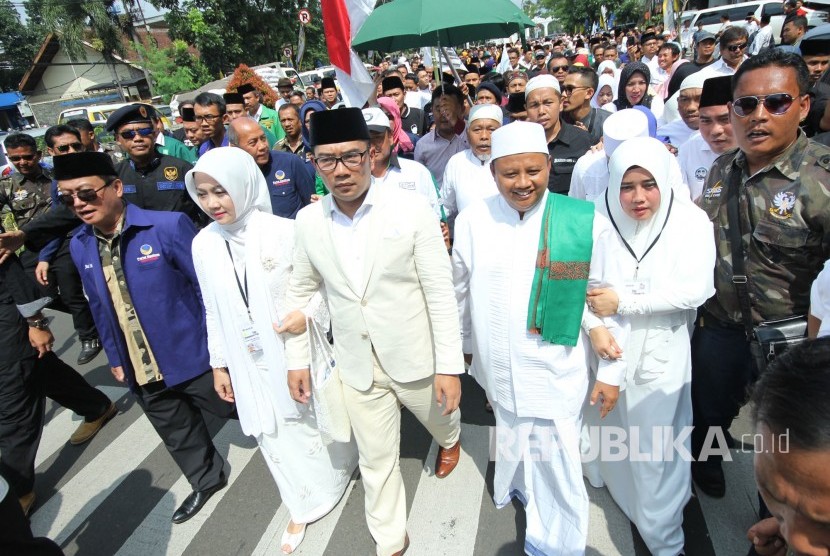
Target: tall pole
147	76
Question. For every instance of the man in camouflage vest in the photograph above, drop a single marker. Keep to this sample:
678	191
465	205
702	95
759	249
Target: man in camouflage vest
784	211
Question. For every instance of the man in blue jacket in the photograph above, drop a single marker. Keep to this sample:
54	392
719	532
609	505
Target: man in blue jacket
137	270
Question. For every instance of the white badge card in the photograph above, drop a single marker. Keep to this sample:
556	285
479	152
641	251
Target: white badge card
637	287
251	340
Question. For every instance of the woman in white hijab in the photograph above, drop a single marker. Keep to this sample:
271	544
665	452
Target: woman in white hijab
606	92
665	273
243	262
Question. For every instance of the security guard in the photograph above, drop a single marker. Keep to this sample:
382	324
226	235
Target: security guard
27	191
151	180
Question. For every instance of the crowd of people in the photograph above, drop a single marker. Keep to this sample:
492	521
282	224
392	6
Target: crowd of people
591	227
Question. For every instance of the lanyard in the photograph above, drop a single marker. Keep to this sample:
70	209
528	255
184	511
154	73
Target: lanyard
627	246
242	291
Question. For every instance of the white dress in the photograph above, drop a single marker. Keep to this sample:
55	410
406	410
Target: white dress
466	180
311	477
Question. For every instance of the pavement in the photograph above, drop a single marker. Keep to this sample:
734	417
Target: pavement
115	495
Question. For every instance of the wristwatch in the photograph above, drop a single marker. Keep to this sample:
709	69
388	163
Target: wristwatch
41	324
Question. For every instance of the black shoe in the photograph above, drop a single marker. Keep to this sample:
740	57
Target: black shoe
709	478
194	502
89	349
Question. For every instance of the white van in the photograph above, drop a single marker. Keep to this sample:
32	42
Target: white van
710	17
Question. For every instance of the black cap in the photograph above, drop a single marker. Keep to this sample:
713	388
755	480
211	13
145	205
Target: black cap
815	47
391	82
129	114
516	103
233	98
328	83
188	114
717	91
245	88
338	126
81	165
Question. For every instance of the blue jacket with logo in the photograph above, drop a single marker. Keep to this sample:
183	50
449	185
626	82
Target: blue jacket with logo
158	266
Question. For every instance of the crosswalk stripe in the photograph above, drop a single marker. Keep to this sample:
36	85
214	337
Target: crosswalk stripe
444	515
59	516
57	431
609	530
237	450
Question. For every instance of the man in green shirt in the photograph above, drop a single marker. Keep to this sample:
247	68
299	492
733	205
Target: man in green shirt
267	117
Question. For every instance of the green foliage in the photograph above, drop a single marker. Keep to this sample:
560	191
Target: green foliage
573	13
19	44
173	69
81	20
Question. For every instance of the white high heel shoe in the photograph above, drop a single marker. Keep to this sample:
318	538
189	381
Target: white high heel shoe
292	540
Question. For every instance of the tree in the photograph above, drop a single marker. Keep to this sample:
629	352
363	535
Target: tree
573	14
173	69
19	44
79	20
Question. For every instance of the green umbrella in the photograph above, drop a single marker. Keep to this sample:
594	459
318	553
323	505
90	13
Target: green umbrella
407	24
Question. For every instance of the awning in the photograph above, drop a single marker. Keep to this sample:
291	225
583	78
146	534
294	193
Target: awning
10	100
113	85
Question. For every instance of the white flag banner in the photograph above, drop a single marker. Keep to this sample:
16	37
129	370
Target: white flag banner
342	20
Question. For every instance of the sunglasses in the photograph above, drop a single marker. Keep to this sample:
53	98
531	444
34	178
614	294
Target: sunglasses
776	104
568	89
131	133
559	68
85	195
736	47
63	149
19	157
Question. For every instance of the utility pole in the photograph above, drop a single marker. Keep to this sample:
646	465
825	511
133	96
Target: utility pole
132	5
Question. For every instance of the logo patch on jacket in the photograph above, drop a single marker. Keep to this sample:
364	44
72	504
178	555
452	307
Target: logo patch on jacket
147	255
171	173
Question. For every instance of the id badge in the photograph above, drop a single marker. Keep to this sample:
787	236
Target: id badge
637	287
251	340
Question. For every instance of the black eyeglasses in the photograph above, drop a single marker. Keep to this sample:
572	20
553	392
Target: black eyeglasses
554	69
85	195
776	104
131	133
349	160
76	147
19	157
209	118
736	47
568	89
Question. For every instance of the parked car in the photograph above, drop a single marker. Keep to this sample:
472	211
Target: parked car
710	17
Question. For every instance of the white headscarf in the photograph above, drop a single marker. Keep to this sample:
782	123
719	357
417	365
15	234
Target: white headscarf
237	172
607	65
603	81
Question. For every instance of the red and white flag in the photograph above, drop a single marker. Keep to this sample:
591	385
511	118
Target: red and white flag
342	20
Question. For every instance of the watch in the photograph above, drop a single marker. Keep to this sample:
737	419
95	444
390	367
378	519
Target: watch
41	324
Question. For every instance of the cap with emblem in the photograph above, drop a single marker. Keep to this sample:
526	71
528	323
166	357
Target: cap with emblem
391	82
540	54
621	126
245	88
485	111
518	138
188	114
81	165
541	82
376	120
132	113
284	82
233	98
717	91
338	126
328	83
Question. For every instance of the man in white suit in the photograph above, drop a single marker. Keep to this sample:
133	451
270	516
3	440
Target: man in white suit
379	254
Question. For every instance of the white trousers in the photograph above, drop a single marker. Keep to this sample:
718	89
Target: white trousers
376	422
538	462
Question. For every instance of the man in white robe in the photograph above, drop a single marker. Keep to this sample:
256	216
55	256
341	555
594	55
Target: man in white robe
467	177
536	387
688	101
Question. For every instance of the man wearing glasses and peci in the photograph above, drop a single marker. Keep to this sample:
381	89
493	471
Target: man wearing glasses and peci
152	181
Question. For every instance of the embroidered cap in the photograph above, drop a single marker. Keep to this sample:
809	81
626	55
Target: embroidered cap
485	111
376	120
541	82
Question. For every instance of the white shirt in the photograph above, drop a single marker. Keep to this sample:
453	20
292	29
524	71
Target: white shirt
658	74
695	158
466	180
258	114
493	267
415	177
820	300
762	40
351	236
677	132
717	69
417	99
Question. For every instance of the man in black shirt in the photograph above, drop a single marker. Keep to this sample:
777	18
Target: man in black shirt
413	120
566	143
580	86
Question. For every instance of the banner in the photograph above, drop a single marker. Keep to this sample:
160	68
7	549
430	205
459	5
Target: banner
342	20
300	46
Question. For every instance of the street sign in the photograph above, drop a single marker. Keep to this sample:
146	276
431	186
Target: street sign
287	52
304	16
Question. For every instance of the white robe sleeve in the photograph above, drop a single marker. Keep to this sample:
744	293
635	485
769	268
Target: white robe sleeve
461	255
448	195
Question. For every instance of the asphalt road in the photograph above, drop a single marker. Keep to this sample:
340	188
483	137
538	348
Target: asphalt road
116	494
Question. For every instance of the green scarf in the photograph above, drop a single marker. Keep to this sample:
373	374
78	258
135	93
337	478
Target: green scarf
560	283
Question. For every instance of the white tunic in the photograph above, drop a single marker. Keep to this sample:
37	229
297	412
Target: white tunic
695	158
466	180
820	300
415	177
677	132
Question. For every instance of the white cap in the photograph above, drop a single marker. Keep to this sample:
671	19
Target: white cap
402	60
540	82
518	138
376	120
694	81
623	125
486	111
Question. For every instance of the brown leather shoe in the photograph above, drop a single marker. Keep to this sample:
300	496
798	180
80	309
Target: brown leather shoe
403	550
87	430
447	460
27	502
